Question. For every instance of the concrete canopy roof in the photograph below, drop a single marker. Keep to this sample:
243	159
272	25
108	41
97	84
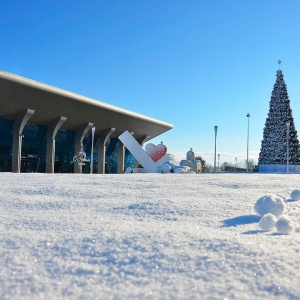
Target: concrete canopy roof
18	94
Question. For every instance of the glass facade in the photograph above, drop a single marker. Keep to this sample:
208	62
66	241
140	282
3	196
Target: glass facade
5	144
34	144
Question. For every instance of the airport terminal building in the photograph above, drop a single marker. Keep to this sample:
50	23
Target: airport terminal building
42	128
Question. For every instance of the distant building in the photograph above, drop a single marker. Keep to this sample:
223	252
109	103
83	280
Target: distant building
191	162
42	128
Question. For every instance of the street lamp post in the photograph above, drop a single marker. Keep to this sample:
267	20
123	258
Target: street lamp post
287	146
215	160
236	164
218	162
92	150
248	116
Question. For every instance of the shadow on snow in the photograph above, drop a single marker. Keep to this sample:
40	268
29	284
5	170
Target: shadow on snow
241	220
291	200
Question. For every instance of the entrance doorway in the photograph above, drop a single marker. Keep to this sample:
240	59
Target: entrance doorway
29	165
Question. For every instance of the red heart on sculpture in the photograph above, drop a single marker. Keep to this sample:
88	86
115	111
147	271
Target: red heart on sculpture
156	152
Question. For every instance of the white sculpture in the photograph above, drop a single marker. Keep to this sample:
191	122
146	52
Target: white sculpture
154	159
143	158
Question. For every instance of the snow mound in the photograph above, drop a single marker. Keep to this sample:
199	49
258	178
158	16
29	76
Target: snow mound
171	167
284	225
273	204
267	222
295	195
166	169
180	170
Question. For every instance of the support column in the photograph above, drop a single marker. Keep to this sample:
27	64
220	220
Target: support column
79	136
51	134
141	141
121	157
102	140
19	125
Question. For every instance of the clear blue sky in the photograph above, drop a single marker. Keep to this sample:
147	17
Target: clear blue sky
194	64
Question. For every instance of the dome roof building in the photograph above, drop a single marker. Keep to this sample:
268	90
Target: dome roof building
194	165
190	155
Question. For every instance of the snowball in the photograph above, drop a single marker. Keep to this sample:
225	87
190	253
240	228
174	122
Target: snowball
273	204
295	195
267	222
166	169
284	225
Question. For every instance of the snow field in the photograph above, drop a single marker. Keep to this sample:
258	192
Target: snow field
145	236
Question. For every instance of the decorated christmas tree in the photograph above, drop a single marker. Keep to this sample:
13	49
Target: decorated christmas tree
274	144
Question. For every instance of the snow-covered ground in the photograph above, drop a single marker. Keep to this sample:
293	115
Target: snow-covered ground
145	236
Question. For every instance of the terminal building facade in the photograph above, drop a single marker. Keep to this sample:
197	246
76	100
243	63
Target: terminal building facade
42	128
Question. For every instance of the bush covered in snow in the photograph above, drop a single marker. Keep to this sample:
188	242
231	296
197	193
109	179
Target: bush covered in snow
166	169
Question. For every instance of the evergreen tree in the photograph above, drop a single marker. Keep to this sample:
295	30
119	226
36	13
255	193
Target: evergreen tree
274	144
204	167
